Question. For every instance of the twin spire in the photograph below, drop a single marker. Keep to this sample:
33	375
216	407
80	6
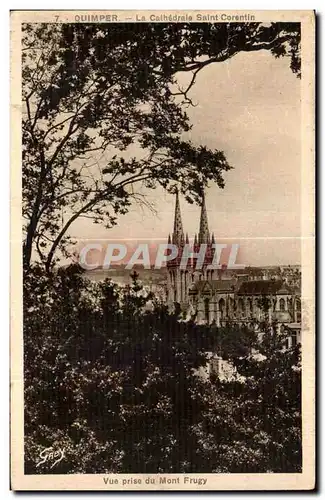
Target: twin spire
204	236
178	234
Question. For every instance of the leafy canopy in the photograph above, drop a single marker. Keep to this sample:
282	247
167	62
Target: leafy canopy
103	115
118	382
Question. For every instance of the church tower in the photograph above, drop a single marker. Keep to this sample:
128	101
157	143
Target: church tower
178	234
204	236
180	280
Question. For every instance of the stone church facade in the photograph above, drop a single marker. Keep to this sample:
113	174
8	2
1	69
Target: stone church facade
208	296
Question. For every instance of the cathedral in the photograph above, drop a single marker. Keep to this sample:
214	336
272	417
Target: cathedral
224	297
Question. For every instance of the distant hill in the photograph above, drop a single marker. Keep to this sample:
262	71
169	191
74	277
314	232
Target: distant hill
121	275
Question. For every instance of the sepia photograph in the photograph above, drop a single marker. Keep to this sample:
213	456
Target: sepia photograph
164	250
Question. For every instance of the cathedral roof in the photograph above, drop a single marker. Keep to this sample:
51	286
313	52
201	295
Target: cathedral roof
253	287
263	287
216	285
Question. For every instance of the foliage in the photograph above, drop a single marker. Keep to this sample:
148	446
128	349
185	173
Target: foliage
261	428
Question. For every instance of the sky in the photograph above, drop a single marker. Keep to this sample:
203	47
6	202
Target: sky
248	107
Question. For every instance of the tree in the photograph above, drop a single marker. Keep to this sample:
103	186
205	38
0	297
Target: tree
116	380
106	380
254	421
112	377
94	94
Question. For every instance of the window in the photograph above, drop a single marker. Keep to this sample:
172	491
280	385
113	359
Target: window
298	307
282	305
222	308
206	309
294	339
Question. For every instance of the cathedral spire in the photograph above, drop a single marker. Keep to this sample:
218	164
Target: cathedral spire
178	234
204	228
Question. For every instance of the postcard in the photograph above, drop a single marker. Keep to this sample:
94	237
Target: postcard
162	250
